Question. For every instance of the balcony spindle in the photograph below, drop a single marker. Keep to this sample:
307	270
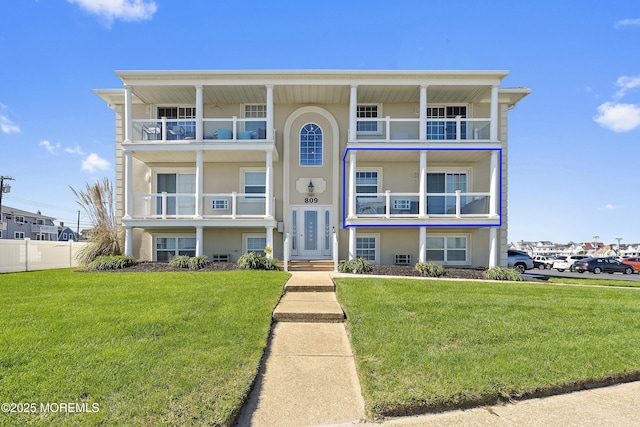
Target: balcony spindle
234	204
164	205
164	129
387	208
458	203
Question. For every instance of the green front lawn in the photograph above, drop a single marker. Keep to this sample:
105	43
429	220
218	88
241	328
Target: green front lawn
147	348
425	345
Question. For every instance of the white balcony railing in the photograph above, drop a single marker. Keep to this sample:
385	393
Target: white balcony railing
402	129
215	206
222	129
406	205
37	228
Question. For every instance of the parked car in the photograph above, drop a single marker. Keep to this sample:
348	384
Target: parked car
633	262
519	260
567	263
542	262
600	265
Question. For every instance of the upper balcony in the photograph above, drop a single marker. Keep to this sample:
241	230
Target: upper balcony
394	130
221	130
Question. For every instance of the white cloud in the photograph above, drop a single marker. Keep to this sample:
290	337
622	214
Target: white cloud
94	163
626	83
76	150
49	146
618	117
6	125
626	23
611	207
126	10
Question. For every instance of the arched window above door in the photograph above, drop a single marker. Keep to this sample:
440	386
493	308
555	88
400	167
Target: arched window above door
311	145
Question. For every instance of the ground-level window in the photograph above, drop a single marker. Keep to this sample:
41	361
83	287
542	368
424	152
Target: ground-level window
171	246
447	249
255	243
367	247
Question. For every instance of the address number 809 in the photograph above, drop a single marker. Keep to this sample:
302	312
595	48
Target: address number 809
311	200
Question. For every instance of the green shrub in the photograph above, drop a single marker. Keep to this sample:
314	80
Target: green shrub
254	261
180	261
112	262
355	266
198	262
192	263
430	269
499	273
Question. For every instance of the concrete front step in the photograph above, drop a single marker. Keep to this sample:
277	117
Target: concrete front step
309	265
309	307
310	282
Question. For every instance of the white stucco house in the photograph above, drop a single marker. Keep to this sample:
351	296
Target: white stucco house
392	166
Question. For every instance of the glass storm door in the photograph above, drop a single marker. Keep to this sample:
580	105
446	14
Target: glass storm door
310	237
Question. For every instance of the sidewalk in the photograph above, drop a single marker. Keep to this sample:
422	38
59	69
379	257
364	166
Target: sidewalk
309	378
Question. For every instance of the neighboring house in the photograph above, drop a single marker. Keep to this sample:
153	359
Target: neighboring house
396	166
23	224
66	234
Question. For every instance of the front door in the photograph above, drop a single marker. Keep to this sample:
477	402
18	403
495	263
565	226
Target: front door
311	234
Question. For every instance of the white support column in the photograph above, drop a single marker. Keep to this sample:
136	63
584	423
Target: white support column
423	113
199	241
351	183
128	183
269	238
493	132
128	126
493	247
422	196
422	244
128	241
352	243
270	124
269	185
199	183
199	114
494	185
353	114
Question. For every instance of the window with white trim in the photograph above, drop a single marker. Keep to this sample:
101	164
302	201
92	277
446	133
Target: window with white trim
255	243
255	182
445	129
447	249
366	111
19	219
448	183
18	234
40	221
180	121
367	247
168	247
366	182
258	128
311	145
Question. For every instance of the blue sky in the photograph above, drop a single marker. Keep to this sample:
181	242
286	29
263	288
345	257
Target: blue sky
574	142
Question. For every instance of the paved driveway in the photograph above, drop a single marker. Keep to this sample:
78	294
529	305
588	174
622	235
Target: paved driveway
615	276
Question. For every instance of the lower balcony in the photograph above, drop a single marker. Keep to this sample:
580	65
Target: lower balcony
214	206
404	209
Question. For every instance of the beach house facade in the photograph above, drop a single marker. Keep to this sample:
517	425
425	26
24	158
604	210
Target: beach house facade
392	166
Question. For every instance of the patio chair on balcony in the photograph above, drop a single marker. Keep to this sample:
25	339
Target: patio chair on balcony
244	135
224	134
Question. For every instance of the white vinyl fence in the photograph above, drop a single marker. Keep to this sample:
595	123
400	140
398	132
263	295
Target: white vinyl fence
28	255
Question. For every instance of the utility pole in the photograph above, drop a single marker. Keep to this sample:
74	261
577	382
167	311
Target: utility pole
618	239
3	189
78	229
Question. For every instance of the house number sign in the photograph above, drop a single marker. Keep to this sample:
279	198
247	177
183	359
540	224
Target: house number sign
311	200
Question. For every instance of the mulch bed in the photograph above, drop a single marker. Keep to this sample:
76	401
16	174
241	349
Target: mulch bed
383	270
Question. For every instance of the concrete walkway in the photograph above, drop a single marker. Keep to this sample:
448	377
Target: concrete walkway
309	378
